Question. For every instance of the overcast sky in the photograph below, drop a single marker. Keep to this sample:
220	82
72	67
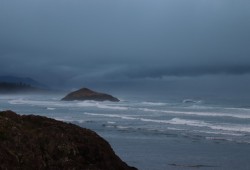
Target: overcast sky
72	42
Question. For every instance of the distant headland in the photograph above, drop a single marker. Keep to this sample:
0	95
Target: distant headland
13	84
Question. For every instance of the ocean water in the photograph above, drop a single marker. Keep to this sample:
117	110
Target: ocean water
155	134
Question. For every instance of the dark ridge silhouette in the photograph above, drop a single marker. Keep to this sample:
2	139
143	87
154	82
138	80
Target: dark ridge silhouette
24	80
20	87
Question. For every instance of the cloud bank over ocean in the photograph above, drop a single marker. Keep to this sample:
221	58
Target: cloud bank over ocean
70	43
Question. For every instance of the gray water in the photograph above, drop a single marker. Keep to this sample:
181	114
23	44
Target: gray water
182	133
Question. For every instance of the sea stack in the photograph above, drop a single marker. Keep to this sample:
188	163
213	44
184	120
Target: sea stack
36	142
87	94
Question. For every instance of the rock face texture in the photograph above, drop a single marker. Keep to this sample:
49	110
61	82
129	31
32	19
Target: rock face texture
87	94
34	142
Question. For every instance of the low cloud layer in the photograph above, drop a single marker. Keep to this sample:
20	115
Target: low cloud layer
63	42
188	71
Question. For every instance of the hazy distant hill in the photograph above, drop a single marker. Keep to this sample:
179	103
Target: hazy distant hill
12	84
24	80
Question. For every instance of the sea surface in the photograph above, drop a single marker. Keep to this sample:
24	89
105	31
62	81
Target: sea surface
180	133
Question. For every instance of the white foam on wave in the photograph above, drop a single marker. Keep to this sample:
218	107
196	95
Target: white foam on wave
85	104
198	123
175	121
213	114
232	127
122	127
18	101
101	105
153	103
224	127
219	129
219	133
51	108
127	117
238	109
195	106
51	104
21	101
110	122
178	121
175	129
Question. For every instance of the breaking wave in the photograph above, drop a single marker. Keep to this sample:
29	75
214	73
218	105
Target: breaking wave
153	103
213	114
53	104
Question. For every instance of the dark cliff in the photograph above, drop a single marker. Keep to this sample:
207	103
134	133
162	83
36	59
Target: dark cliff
35	142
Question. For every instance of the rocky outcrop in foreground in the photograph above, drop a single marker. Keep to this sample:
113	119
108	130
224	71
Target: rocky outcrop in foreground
34	142
87	94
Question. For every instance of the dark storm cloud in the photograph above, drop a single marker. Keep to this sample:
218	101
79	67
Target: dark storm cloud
62	41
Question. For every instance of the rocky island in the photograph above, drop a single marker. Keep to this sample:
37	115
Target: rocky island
87	94
36	142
